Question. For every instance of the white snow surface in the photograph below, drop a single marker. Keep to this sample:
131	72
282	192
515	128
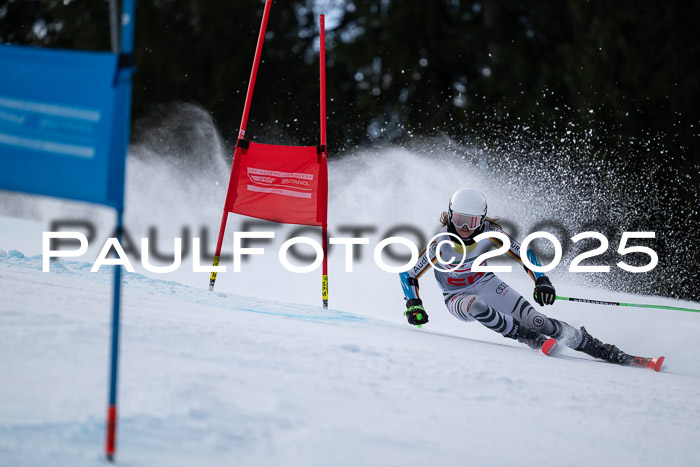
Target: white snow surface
256	373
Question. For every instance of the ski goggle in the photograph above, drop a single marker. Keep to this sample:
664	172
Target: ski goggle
465	220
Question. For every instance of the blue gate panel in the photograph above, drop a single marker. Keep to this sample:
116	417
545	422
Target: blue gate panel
63	123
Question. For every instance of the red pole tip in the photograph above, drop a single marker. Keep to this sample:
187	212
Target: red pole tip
111	432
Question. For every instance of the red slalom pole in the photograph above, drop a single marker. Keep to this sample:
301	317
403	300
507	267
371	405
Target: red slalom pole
254	71
322	65
324	152
241	135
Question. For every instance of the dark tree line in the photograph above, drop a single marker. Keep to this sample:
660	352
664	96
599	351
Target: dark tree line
400	68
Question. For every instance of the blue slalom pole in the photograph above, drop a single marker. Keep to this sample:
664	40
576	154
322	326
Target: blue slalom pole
114	360
126	51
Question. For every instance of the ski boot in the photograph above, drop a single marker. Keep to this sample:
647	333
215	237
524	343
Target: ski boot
533	339
596	349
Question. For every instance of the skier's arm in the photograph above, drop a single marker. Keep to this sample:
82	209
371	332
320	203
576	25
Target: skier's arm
415	313
409	279
544	292
514	251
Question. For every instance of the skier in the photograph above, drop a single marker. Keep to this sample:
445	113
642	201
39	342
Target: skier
485	297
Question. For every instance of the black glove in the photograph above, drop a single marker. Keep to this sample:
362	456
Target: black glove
544	291
415	313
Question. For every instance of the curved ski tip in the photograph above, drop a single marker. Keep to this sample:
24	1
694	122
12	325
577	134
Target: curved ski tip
657	364
549	346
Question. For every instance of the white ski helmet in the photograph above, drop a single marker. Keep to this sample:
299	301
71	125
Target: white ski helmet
467	208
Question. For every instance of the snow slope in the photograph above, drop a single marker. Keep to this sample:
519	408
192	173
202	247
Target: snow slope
222	379
257	374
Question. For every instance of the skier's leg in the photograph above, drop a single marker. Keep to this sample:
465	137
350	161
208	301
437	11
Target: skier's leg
501	296
469	307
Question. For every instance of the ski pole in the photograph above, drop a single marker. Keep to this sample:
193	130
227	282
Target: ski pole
601	302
